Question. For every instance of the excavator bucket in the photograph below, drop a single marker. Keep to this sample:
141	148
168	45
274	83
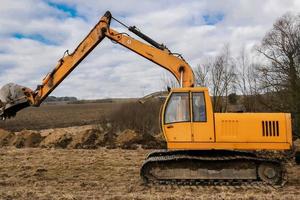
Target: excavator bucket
12	99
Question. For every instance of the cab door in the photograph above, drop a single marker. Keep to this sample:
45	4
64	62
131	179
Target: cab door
202	118
177	118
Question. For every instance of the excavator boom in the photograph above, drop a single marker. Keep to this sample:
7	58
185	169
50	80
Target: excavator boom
155	52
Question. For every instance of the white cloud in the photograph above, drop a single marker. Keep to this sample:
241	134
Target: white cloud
111	70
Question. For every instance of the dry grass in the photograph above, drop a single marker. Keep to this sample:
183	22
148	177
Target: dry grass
107	174
142	118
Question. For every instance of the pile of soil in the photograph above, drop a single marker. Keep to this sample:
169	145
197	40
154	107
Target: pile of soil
88	139
26	139
57	139
80	137
21	139
5	137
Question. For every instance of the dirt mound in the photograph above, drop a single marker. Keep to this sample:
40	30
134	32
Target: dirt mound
5	137
128	139
57	139
88	139
79	137
153	141
22	139
82	137
26	139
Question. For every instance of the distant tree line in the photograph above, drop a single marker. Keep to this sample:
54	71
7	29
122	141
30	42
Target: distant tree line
55	99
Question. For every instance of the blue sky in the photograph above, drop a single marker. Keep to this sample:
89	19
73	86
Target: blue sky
34	35
37	37
212	19
70	10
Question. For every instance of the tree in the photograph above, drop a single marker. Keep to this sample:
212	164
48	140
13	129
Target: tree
246	81
280	77
202	74
218	74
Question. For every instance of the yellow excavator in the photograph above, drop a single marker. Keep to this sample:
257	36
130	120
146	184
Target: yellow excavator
203	147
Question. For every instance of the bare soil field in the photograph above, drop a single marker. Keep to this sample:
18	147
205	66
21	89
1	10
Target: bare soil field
58	116
35	173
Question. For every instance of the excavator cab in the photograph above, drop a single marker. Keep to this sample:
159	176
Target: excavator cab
187	117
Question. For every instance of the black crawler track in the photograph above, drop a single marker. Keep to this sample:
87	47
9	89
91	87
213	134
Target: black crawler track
164	157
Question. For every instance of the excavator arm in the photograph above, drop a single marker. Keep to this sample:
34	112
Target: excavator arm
164	58
159	54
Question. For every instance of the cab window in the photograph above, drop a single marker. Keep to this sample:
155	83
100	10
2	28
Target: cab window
178	108
199	110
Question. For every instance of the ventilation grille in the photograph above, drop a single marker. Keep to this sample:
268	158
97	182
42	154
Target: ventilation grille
270	128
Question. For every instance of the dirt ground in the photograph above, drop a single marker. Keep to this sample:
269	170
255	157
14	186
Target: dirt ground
58	116
36	173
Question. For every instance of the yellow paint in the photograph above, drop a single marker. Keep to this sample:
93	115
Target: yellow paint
178	132
247	127
204	131
238	131
229	146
